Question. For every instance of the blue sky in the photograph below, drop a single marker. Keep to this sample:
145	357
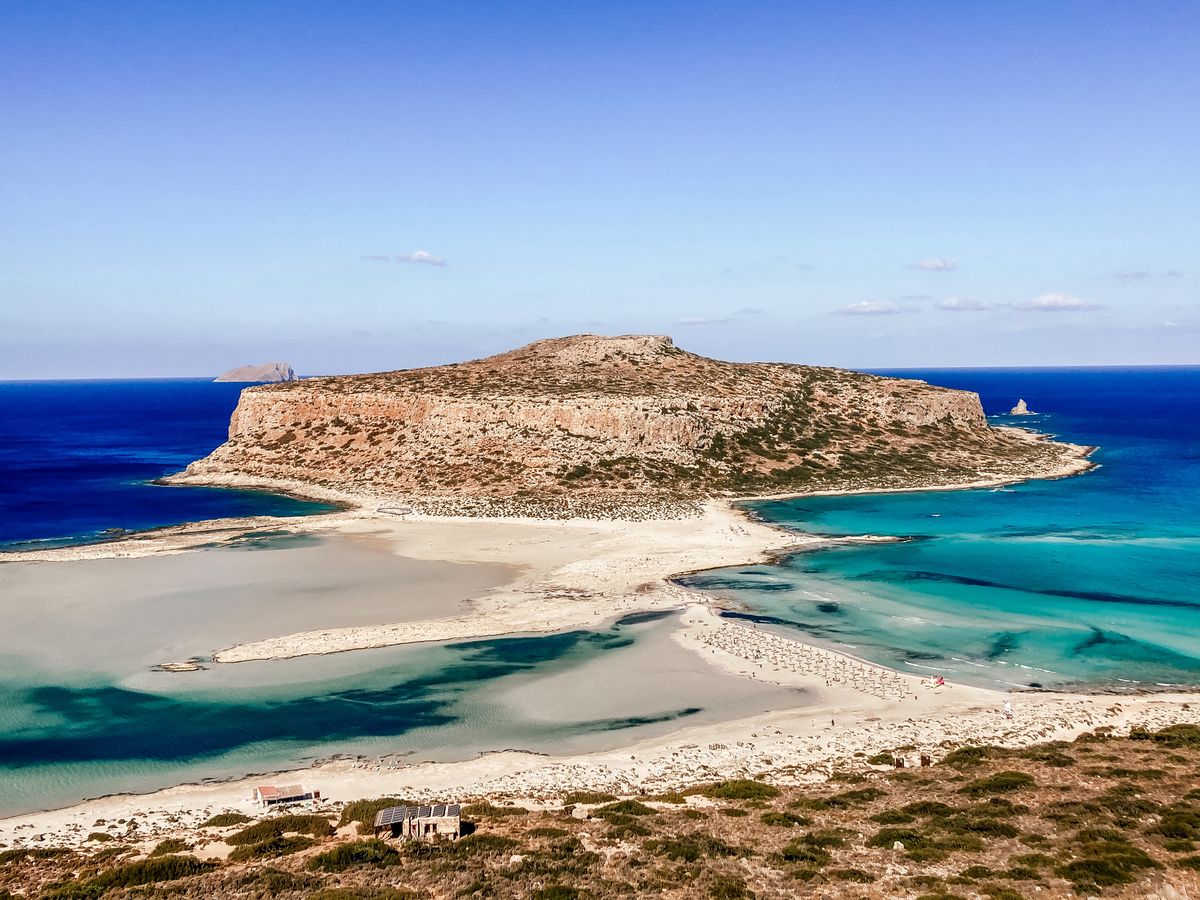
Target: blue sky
359	186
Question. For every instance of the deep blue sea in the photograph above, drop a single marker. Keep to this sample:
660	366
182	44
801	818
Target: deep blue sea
77	458
1093	579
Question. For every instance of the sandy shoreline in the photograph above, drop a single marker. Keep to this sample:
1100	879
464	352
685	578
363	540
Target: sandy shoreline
581	574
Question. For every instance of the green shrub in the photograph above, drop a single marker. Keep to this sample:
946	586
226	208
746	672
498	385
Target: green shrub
976	872
100	837
967	757
729	887
317	826
1104	864
690	847
783	819
170	845
472	845
587	797
356	853
854	798
271	848
146	871
622	809
1047	756
856	875
737	789
17	854
800	851
669	797
548	831
1173	736
1000	783
275	881
1179	823
225	820
893	817
909	837
557	892
485	810
926	808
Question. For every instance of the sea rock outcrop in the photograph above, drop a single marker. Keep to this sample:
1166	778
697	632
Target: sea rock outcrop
267	372
605	417
1021	410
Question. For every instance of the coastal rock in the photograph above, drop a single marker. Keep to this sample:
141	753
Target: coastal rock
267	372
1021	410
588	416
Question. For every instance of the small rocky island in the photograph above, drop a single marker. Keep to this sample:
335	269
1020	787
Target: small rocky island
1021	410
617	423
266	373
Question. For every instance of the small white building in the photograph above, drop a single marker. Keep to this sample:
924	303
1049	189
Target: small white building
269	795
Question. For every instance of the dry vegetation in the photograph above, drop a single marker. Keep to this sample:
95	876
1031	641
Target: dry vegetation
599	420
1103	816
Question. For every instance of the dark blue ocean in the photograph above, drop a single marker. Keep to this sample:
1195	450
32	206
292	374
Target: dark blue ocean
77	457
1093	579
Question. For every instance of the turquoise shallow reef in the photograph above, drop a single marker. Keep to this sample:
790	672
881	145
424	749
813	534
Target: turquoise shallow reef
1093	580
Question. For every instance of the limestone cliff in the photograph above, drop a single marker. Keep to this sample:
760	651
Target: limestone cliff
590	416
267	372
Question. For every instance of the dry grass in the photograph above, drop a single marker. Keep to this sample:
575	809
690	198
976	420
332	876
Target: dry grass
1061	820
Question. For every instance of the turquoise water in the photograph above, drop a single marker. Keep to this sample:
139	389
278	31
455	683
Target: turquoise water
66	735
1090	580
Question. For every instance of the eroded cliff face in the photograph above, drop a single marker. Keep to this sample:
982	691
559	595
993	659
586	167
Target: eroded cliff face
589	415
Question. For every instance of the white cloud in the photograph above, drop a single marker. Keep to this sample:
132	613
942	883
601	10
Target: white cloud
701	320
1057	302
420	256
417	256
872	308
968	304
1139	275
936	264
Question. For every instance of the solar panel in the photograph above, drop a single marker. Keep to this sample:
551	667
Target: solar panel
396	814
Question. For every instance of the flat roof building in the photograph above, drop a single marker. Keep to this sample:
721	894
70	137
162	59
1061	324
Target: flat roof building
269	795
440	821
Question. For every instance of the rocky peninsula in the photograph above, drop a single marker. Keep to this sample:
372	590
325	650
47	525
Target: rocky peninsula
598	425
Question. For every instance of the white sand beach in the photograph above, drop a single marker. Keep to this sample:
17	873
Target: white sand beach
581	574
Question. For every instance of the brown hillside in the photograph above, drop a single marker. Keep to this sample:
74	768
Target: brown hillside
609	417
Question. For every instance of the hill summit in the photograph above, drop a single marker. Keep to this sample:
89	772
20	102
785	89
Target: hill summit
588	417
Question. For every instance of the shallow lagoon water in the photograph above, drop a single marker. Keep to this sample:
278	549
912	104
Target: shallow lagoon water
1093	580
84	715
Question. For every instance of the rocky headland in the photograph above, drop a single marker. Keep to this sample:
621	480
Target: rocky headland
592	422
